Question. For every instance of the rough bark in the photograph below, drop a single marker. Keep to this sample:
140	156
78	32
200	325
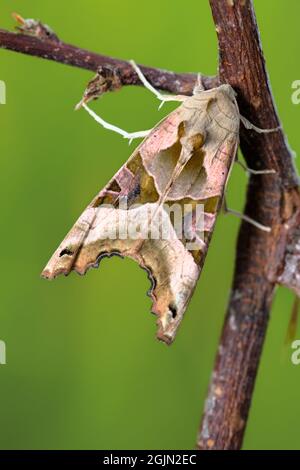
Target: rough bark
272	200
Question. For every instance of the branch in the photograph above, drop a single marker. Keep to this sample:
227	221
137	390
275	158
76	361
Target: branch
272	200
54	49
262	259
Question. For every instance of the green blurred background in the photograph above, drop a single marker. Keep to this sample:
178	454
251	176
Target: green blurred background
83	367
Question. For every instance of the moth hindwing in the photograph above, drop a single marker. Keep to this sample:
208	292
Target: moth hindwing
183	164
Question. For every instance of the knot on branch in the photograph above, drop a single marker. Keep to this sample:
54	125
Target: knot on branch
107	79
35	28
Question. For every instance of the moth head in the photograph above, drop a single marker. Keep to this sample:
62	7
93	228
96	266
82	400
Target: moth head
225	88
198	89
229	91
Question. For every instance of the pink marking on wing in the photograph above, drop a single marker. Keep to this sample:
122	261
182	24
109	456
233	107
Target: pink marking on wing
209	221
163	137
217	170
124	178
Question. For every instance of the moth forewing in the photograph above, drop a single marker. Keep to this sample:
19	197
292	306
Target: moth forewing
185	161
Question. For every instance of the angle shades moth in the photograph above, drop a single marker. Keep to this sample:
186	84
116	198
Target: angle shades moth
186	159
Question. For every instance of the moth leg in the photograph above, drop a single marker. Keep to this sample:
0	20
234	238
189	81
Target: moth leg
244	217
111	127
254	172
163	98
248	125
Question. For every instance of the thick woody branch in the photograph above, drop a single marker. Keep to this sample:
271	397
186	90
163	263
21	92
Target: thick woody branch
272	200
59	51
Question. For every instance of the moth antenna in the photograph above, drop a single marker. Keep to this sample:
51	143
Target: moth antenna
118	130
79	105
248	125
153	90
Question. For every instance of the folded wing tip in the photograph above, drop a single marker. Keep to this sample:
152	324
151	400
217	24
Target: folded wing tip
51	274
168	291
164	338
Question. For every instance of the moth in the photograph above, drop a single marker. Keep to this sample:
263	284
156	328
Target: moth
185	160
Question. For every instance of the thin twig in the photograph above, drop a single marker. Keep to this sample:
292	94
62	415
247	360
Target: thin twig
59	51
